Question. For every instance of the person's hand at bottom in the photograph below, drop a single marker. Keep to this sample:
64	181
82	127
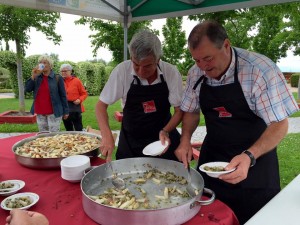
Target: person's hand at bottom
22	217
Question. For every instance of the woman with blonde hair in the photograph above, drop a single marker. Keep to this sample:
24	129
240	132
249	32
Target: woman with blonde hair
50	100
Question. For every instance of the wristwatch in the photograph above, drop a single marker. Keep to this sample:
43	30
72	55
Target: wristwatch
251	156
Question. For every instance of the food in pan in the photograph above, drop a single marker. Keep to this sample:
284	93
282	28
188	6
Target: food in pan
60	145
170	190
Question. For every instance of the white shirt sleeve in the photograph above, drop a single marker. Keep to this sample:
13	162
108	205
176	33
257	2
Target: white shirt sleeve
114	87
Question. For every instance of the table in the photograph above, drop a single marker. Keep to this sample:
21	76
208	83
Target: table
284	208
61	201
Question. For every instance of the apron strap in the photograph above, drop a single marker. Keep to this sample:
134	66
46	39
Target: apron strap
198	82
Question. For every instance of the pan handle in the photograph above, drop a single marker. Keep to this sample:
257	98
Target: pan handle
205	202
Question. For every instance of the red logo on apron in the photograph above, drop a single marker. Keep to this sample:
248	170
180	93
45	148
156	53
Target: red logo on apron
223	112
149	106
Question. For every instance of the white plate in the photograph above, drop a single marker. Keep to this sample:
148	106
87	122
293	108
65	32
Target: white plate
155	148
213	164
34	199
18	185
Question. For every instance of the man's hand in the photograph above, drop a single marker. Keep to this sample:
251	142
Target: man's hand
184	153
107	147
242	164
164	137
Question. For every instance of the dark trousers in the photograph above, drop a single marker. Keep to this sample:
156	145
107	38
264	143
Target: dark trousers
74	122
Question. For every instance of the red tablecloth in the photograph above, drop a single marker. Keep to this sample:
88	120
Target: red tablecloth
61	201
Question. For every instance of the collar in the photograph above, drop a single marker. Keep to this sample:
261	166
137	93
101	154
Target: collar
144	81
230	71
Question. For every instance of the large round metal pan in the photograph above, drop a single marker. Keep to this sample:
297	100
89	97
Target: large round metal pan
48	163
98	180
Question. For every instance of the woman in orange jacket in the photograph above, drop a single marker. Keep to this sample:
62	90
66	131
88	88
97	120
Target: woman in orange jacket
76	94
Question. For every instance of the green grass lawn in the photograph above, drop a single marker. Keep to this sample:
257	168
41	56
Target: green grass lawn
288	149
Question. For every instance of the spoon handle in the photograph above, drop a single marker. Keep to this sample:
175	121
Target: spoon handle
189	173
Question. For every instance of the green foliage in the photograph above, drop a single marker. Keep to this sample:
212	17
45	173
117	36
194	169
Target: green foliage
15	23
4	79
186	64
289	158
92	76
294	79
174	38
111	35
270	30
8	61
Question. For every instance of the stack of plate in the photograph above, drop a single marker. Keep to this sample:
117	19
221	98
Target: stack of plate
73	167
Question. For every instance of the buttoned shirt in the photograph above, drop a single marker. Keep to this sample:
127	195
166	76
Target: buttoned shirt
123	74
262	82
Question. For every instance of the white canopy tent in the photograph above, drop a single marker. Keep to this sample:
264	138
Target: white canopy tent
127	11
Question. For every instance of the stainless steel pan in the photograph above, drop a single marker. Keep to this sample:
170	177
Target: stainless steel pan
48	163
99	179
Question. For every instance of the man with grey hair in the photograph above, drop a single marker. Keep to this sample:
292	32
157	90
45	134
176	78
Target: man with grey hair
147	87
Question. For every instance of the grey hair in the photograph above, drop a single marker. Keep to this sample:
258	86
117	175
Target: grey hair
143	44
46	58
211	29
67	66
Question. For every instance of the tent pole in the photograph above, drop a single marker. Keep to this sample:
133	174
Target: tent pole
125	29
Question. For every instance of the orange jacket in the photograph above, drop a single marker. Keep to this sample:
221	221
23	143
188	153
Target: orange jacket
75	90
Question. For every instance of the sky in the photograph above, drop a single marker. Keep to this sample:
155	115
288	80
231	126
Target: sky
76	45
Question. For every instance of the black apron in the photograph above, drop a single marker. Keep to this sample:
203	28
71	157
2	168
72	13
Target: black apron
146	112
232	128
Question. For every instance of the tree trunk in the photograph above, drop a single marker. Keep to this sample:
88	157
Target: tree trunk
20	78
6	46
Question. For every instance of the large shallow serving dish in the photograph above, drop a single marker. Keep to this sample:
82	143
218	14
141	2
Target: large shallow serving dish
99	179
50	163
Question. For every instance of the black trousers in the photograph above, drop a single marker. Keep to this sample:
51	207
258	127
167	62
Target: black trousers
74	122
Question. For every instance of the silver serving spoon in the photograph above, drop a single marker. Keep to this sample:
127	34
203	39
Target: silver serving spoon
190	190
118	182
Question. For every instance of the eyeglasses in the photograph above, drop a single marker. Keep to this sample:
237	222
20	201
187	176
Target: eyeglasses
64	71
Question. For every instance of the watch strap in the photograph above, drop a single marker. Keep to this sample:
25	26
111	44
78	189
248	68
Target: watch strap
251	156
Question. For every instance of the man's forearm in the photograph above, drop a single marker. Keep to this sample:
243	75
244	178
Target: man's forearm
270	138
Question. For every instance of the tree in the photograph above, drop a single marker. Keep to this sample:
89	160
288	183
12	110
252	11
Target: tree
174	40
175	45
270	30
111	35
14	25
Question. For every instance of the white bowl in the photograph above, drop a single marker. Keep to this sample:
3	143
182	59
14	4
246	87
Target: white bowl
33	197
18	185
215	174
73	167
74	161
155	148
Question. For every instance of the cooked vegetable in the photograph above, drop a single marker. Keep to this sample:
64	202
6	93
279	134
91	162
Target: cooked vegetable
18	202
4	185
170	191
60	145
214	168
